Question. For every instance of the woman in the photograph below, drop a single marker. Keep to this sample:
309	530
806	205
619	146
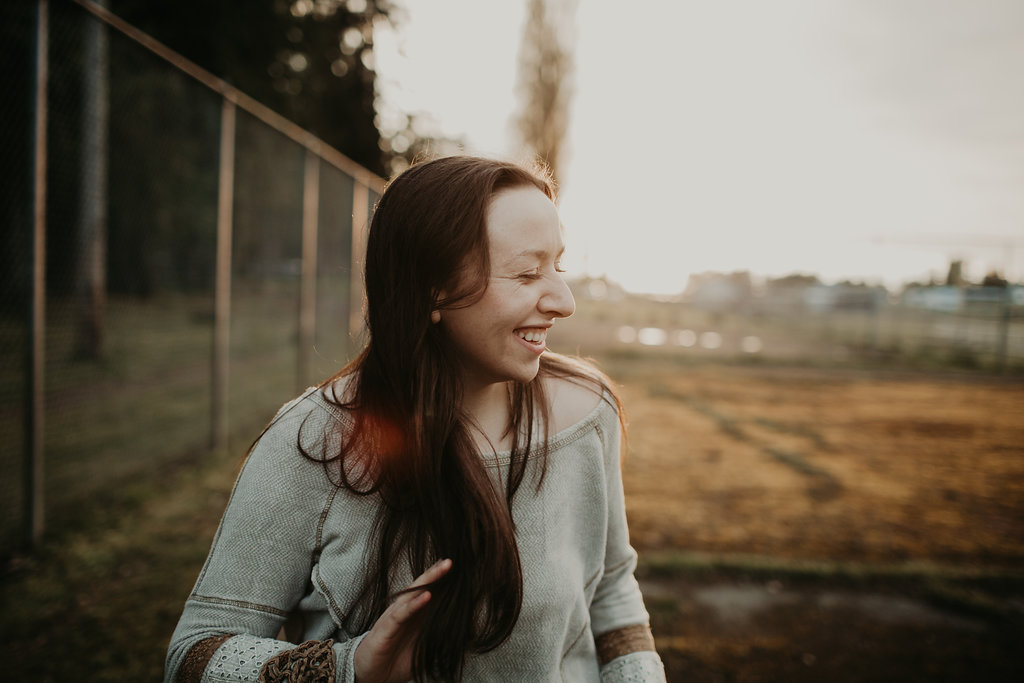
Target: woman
448	506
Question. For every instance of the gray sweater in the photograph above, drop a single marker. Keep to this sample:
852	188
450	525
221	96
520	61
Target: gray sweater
292	542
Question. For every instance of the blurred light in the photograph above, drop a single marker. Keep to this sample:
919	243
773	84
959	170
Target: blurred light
366	57
297	62
597	289
652	336
710	340
627	334
389	120
400	144
351	40
324	8
751	344
339	67
301	8
685	338
356	6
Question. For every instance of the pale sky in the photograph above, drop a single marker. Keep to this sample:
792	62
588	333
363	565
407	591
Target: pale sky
864	139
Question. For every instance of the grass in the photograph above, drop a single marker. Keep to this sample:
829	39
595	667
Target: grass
823	486
133	493
99	602
811	435
669	562
146	402
967	590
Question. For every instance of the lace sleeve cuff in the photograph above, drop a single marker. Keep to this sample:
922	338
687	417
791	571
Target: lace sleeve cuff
636	667
247	658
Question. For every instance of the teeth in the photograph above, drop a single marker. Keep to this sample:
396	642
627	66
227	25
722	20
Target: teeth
534	336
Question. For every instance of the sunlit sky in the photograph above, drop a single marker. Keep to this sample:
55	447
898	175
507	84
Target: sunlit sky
871	140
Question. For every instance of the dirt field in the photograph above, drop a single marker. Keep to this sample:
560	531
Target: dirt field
867	522
827	465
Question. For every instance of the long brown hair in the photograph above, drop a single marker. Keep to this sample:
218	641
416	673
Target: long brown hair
409	444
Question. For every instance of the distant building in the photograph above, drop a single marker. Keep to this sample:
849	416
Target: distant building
719	292
941	298
844	296
949	299
789	294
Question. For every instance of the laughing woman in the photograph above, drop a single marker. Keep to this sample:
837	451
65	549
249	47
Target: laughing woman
449	506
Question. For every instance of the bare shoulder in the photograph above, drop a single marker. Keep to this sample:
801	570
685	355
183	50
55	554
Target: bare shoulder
571	399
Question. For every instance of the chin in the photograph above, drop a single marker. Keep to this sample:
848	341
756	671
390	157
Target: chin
527	376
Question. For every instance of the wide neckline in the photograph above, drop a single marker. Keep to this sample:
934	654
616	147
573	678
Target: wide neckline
497	458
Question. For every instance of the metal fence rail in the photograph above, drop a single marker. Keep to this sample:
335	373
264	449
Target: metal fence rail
194	260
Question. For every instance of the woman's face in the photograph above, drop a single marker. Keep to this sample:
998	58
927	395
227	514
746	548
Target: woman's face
502	335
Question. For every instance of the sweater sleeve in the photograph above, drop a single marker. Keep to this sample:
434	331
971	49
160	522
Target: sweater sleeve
257	571
618	617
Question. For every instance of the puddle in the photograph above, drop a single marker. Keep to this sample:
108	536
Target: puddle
742	603
739	604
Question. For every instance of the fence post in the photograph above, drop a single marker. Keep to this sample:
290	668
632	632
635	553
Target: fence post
222	279
1003	330
360	217
92	204
35	509
307	288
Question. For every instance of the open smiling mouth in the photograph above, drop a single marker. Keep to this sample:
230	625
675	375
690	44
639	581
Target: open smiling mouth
534	336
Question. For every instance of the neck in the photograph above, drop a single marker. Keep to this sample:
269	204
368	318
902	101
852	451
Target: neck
487	407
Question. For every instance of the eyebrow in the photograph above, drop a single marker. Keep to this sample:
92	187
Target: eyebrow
539	254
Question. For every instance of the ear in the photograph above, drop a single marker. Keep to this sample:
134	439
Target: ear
437	295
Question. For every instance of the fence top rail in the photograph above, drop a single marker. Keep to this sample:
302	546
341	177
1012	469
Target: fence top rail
237	97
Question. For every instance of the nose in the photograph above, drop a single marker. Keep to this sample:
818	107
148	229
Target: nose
557	301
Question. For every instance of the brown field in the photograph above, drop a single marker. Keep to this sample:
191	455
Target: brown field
826	465
798	524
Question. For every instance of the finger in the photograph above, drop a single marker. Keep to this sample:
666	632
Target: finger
401	611
412	599
433	573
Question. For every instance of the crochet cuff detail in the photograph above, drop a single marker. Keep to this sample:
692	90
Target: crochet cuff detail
199	655
623	641
311	662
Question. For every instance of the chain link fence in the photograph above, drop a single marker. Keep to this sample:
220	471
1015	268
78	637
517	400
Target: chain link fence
198	264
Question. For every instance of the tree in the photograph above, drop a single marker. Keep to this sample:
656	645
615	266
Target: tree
955	276
546	68
309	60
994	279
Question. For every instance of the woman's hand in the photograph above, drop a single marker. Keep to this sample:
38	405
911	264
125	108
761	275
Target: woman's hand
385	654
